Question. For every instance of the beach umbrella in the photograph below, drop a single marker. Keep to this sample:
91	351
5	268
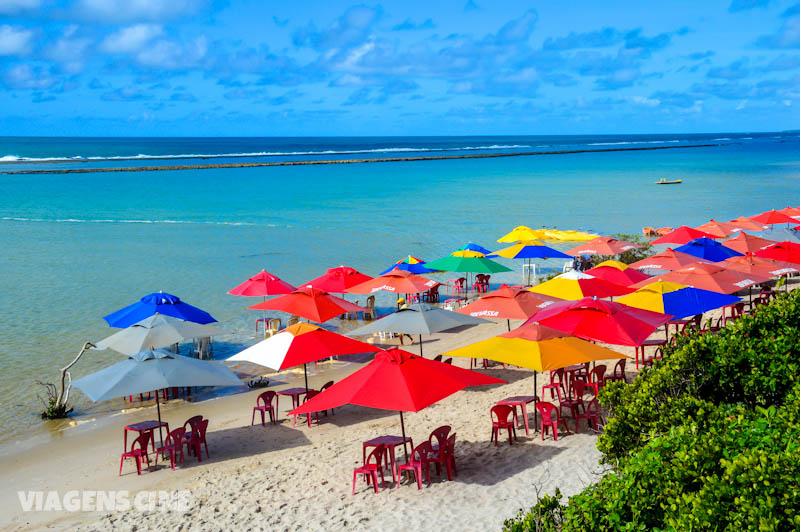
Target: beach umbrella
617	272
157	303
522	233
396	380
397	282
410	264
472	246
794	212
529	250
153	332
745	243
783	251
467	262
709	276
298	344
419	318
338	280
311	304
746	224
707	249
609	322
773	217
153	370
604	245
782	234
752	263
718	229
507	303
682	235
576	285
679	300
666	260
262	284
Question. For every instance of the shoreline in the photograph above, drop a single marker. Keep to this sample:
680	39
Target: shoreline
333	161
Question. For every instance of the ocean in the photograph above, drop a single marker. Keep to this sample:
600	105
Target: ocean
77	246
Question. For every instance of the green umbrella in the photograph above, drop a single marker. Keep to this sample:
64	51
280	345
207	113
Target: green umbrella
467	262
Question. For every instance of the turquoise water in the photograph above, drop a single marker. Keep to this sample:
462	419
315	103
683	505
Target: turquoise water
78	246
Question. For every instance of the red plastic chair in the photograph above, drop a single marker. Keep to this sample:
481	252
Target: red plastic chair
195	439
174	446
322	389
575	402
309	395
192	422
371	468
448	361
481	283
264	405
500	415
619	372
547	410
596	379
556	385
593	416
440	435
737	310
438	358
658	354
419	461
444	455
459	285
137	452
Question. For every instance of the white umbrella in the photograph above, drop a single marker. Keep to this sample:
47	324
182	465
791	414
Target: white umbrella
156	331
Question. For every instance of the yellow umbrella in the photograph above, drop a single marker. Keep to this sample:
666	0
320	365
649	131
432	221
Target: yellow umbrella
512	251
577	285
621	266
522	233
467	253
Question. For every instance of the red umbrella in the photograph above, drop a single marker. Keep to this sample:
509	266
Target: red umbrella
508	303
785	251
396	281
712	277
743	222
744	243
338	280
666	260
396	380
752	264
310	303
602	321
261	285
682	235
603	245
794	212
720	229
615	273
773	217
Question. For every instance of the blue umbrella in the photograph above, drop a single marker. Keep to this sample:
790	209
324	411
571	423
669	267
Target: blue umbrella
413	268
161	303
676	299
708	249
471	246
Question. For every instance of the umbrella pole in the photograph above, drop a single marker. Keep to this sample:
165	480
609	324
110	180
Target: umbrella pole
158	408
535	394
403	430
509	325
420	346
305	374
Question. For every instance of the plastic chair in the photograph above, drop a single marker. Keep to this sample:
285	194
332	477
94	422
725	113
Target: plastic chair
499	415
137	452
445	454
547	410
440	435
173	445
370	306
192	422
197	438
263	406
448	361
593	416
596	378
658	354
322	389
371	468
417	462
737	310
438	358
309	395
619	372
273	326
575	401
556	385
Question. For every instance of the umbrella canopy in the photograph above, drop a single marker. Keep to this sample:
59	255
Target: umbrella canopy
707	249
311	304
784	251
338	280
666	260
718	229
467	262
522	233
419	318
472	246
782	234
410	264
682	235
529	249
746	224
536	347
576	285
602	321
157	303
155	331
396	380
604	245
712	277
794	212
396	281
262	284
745	243
507	303
752	264
773	217
154	370
617	272
679	300
300	343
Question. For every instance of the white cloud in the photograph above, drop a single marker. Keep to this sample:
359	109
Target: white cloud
14	40
172	55
647	102
131	39
28	77
120	10
741	105
13	6
70	49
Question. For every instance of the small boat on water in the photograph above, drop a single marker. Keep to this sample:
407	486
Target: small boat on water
663	181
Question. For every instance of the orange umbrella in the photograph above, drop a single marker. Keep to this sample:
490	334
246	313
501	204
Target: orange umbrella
751	264
712	277
744	243
311	304
720	229
617	272
666	260
773	217
603	245
396	281
508	303
682	235
794	212
743	222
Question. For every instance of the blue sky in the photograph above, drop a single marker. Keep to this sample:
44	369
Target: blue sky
308	68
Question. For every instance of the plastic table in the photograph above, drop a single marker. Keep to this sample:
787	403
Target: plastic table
647	343
294	393
391	442
139	428
522	402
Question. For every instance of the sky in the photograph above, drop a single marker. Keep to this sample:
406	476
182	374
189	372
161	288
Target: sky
462	67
